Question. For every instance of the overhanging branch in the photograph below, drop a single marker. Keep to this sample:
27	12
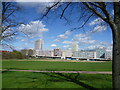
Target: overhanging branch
65	9
95	12
83	23
49	8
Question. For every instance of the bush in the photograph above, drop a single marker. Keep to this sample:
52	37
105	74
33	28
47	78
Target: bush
12	55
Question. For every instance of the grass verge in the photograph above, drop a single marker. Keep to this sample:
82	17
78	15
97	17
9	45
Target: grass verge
57	66
55	80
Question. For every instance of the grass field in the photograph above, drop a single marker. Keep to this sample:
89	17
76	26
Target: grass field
57	66
55	80
14	79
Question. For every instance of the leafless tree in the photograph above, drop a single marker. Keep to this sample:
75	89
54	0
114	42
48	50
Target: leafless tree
96	9
8	22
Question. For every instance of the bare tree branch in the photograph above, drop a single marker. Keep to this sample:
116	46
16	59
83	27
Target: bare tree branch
49	8
102	6
65	9
83	23
8	15
106	12
5	7
94	11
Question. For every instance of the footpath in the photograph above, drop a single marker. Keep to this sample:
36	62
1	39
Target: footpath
85	72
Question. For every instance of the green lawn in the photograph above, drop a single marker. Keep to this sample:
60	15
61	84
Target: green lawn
57	66
55	80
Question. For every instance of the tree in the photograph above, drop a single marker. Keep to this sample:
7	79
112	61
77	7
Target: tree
12	55
9	22
101	10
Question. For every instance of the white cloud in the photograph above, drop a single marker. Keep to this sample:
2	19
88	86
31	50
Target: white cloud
98	29
67	42
96	21
40	5
22	40
66	46
101	26
33	29
83	39
53	45
80	35
100	45
43	6
56	40
95	46
63	36
68	32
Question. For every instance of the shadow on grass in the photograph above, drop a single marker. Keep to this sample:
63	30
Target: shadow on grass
5	71
60	77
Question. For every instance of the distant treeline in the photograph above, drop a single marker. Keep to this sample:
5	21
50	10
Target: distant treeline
13	55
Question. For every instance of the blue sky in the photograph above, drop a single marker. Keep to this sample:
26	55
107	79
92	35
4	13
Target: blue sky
55	32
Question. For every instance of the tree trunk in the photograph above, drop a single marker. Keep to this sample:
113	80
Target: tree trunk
116	47
116	60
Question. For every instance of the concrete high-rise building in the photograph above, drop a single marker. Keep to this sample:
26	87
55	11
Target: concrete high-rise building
39	44
74	46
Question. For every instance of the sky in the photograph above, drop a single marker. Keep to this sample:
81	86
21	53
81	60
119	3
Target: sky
56	33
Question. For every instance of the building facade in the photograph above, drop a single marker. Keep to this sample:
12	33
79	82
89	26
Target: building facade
91	54
39	44
74	47
100	53
57	52
45	53
66	53
108	54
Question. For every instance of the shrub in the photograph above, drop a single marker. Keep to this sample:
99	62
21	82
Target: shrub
12	55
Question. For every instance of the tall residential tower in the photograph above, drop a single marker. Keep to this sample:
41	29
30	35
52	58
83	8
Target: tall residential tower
39	44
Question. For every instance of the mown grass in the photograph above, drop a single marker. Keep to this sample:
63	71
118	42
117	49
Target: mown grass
57	66
55	80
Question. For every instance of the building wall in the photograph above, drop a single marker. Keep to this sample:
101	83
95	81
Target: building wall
84	54
108	54
79	54
74	47
100	53
39	44
57	52
46	53
66	53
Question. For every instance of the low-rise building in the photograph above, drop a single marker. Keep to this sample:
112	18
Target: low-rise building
108	54
100	53
66	53
85	54
57	52
47	53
